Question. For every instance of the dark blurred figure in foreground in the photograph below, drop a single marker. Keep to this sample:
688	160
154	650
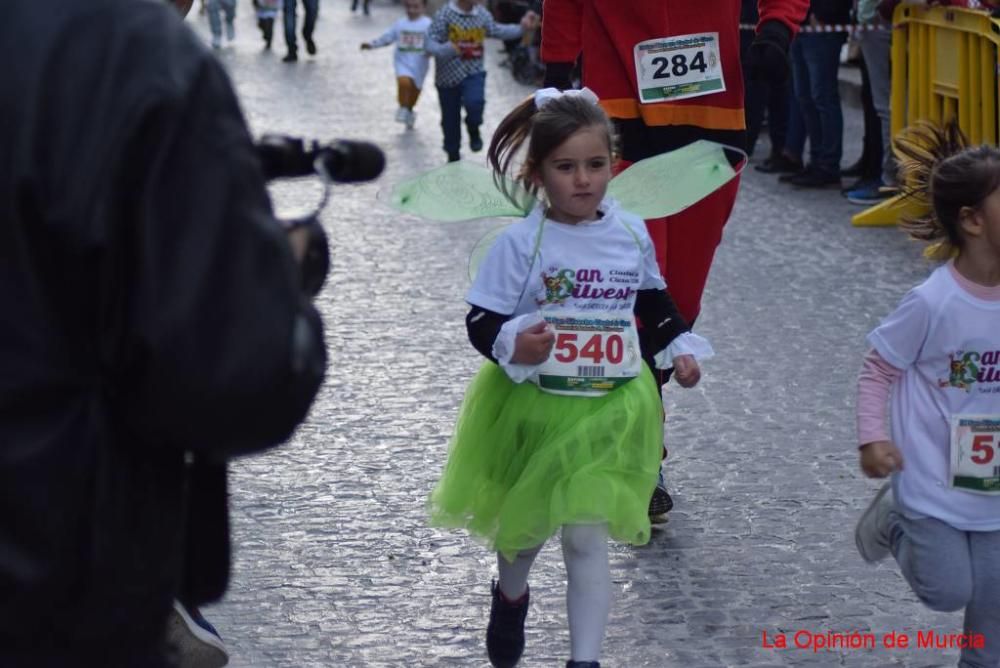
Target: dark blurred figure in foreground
151	327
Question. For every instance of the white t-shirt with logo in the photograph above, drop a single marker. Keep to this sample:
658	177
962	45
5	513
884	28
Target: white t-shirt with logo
411	58
947	342
593	266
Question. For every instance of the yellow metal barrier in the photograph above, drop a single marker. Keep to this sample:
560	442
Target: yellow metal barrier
944	66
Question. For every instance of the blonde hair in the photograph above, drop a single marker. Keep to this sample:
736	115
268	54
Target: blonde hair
944	174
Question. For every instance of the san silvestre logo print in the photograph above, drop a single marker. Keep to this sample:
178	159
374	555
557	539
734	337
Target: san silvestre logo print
561	284
966	368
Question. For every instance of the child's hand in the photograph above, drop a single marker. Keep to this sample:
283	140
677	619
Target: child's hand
530	20
533	345
365	46
686	370
880	458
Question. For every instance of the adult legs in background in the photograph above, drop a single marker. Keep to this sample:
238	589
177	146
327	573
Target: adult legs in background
815	60
871	154
226	8
876	49
311	9
288	20
784	106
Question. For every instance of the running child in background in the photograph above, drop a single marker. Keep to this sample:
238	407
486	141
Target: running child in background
217	11
456	38
562	427
267	12
411	59
936	361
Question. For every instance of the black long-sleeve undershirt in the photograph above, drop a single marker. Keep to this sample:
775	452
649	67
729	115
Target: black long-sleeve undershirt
655	309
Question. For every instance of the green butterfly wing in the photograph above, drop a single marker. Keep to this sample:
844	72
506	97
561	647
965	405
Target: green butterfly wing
668	183
456	192
482	249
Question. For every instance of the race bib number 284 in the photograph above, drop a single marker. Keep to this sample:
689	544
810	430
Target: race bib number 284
675	68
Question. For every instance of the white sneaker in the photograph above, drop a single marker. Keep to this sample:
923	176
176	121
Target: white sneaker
401	115
230	31
871	535
411	118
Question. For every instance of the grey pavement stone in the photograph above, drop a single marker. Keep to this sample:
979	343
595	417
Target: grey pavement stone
334	564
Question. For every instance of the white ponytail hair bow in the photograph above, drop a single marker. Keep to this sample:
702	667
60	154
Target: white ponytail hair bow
546	95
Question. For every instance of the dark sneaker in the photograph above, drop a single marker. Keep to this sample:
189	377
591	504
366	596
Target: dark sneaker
582	664
870	193
785	178
660	504
290	57
310	45
779	164
475	141
813	178
454	157
195	641
505	632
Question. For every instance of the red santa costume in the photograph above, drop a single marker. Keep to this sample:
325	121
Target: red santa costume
668	72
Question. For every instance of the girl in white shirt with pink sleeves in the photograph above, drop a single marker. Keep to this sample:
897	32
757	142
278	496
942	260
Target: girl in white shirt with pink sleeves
935	361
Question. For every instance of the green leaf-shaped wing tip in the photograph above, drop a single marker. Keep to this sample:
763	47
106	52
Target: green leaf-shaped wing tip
456	192
671	182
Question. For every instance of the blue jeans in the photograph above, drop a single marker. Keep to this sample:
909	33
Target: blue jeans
876	47
795	137
312	10
815	61
227	7
471	94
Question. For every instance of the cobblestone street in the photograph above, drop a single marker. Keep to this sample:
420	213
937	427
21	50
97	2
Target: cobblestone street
334	564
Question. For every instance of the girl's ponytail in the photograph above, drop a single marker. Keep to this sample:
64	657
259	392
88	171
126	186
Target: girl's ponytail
508	138
943	173
920	150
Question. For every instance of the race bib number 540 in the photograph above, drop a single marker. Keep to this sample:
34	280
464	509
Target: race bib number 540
592	354
675	68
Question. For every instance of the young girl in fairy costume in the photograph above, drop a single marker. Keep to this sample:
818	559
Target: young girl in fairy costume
562	428
935	361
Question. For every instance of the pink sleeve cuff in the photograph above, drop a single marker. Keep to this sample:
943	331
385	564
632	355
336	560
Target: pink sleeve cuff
874	385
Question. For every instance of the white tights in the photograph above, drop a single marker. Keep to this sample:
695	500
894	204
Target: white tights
588	594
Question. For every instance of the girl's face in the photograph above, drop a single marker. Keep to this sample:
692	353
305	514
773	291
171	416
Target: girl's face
575	175
414	8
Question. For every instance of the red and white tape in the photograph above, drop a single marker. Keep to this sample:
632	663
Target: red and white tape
832	27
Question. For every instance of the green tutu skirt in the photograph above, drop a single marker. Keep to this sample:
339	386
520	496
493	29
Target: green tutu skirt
524	462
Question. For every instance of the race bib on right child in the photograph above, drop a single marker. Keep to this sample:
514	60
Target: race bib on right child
975	460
